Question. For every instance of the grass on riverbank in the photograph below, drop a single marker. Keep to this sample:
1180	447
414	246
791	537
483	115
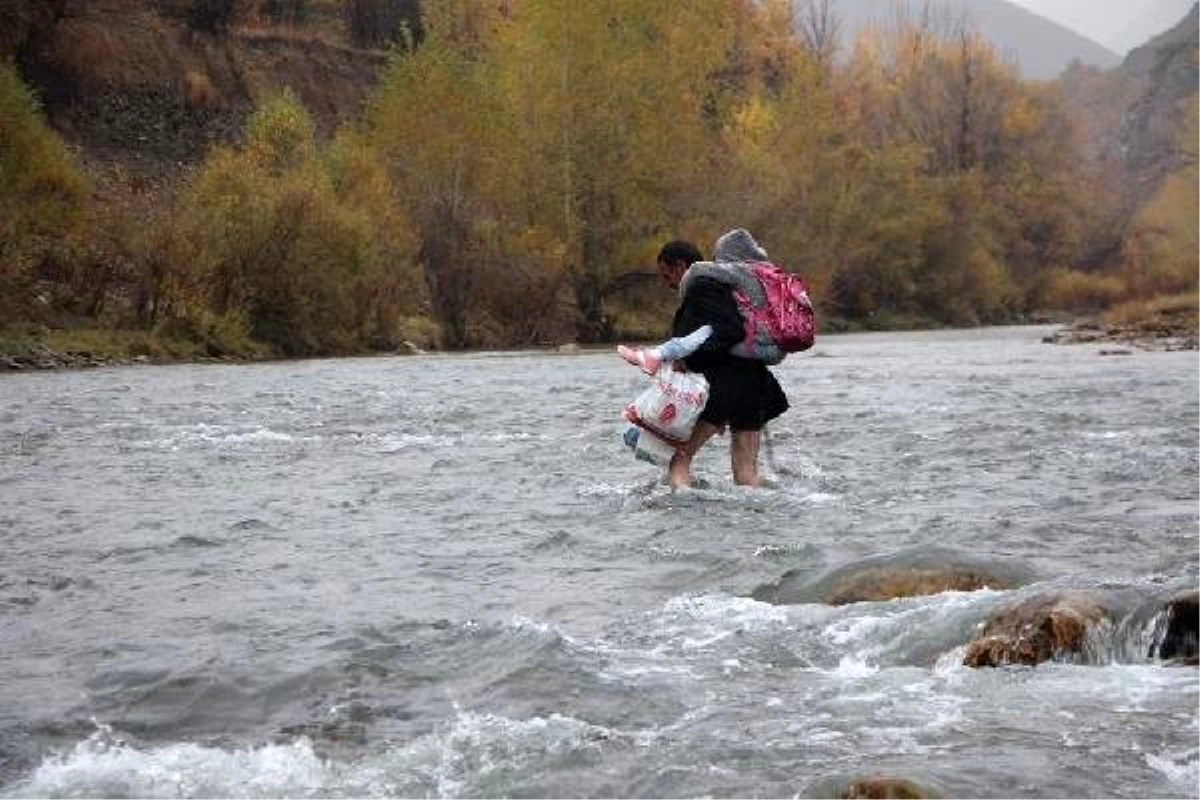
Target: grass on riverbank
50	347
1174	312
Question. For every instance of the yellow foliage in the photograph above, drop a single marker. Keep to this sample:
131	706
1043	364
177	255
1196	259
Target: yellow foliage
535	155
42	192
1161	249
1177	313
39	182
1072	290
1021	118
308	246
280	134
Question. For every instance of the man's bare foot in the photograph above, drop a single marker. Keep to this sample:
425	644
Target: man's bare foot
679	473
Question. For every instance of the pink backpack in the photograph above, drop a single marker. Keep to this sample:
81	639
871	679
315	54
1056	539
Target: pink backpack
786	318
776	310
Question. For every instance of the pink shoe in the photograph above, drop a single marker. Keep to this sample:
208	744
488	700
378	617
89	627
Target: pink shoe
648	360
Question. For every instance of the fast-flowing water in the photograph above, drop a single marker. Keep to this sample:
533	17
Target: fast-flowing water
441	576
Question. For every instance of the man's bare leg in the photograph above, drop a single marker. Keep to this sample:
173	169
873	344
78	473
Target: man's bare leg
680	472
743	453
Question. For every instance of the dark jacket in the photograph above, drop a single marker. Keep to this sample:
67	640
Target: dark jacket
710	302
743	393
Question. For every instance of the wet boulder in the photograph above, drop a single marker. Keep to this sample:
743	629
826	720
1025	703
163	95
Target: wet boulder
1179	631
1042	628
911	573
878	786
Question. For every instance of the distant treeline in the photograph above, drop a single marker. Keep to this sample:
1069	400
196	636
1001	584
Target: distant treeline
520	163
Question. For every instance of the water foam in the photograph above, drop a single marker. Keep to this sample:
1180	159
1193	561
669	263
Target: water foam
479	745
1181	768
101	767
203	435
473	748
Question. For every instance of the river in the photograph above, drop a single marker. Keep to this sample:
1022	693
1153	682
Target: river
445	576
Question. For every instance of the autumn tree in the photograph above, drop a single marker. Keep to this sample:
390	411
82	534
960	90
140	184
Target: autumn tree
1001	160
440	123
1160	245
820	29
42	195
301	244
616	108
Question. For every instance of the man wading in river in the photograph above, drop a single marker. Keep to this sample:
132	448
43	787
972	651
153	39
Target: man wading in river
743	394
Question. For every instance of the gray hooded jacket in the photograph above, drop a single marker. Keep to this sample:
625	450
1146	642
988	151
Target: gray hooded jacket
733	253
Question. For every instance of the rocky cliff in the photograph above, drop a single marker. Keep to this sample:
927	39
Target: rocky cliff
1148	139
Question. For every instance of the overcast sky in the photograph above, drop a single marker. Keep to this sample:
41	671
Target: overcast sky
1117	24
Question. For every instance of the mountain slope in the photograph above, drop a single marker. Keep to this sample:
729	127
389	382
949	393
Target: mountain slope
1118	26
1041	48
1151	139
1154	18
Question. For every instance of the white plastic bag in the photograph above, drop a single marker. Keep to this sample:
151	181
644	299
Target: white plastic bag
670	406
648	447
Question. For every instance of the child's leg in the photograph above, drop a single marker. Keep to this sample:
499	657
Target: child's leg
652	358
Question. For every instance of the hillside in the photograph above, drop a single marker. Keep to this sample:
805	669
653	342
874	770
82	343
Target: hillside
1040	48
1120	27
1147	22
134	85
1135	116
1147	139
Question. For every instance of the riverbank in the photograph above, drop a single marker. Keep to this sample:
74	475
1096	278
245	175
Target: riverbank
44	348
1163	326
83	348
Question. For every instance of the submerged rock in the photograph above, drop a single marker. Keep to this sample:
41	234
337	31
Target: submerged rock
1181	630
912	573
1043	628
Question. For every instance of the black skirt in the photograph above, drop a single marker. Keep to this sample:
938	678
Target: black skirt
742	394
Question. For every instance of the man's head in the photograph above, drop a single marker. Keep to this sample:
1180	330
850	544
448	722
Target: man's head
674	259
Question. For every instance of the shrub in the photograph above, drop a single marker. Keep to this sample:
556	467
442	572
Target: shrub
42	193
1185	307
1072	290
308	245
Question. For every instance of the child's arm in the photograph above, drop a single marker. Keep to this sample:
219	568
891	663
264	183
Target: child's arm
684	346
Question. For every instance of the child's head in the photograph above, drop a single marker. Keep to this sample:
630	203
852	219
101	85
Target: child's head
738	245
